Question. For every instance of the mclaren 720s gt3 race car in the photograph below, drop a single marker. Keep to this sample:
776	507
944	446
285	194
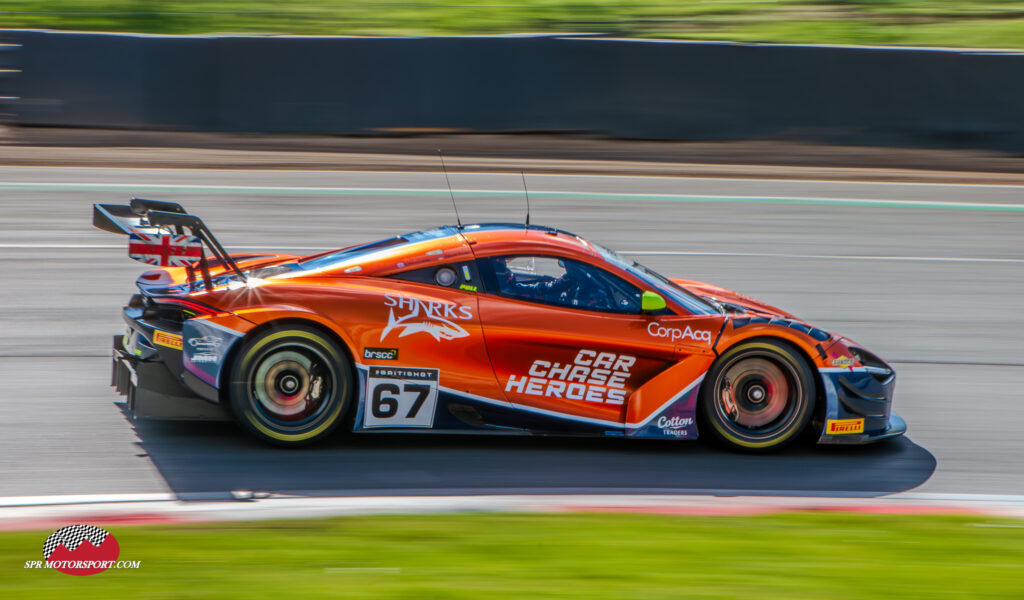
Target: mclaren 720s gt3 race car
500	328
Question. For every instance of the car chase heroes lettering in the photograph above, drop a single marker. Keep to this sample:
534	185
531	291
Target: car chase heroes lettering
592	377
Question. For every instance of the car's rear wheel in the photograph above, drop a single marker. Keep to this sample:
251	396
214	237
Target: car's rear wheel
290	386
758	396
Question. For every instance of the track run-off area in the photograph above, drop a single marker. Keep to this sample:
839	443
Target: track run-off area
929	276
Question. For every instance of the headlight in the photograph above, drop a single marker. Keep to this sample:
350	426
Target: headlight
877	367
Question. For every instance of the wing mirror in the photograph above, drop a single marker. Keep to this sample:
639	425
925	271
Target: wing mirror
651	302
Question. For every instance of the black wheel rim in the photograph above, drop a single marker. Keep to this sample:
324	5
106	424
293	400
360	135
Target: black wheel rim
758	395
291	384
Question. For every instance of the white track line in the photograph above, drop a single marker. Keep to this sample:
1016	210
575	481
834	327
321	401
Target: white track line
267	248
768	180
10	501
57	510
690	197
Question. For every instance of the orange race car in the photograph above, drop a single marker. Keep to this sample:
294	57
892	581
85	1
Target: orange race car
497	327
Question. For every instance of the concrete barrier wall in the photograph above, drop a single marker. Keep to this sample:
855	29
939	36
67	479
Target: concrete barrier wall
619	88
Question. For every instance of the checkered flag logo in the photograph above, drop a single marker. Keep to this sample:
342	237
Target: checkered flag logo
72	536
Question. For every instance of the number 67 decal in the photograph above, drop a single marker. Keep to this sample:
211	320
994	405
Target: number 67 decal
400	397
385	407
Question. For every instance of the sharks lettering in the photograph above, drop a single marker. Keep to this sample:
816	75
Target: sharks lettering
436	318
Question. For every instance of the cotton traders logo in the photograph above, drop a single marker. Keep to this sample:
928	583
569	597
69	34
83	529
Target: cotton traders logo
675	426
433	317
79	550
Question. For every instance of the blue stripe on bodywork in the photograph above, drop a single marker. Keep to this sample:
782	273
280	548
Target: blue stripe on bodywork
675	419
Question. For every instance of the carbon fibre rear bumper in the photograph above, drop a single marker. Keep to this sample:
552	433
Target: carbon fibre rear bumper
153	393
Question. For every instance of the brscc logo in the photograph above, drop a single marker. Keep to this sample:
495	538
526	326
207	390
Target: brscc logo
80	550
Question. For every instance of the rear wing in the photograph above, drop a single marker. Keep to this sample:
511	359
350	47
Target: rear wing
157	218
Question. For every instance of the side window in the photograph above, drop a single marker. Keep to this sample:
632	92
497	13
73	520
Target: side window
562	282
461	276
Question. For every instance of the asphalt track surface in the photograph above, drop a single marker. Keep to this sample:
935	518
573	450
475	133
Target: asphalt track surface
928	276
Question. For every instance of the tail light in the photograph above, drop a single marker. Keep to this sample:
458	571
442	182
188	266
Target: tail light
174	310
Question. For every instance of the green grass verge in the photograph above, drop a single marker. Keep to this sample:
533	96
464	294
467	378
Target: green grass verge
592	556
988	23
974	23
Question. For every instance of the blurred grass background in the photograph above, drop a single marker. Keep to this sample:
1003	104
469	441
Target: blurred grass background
593	556
963	23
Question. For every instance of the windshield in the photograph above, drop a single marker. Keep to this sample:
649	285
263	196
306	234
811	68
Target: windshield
657	281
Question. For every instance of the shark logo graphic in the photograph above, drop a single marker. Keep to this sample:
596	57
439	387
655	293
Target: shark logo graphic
434	317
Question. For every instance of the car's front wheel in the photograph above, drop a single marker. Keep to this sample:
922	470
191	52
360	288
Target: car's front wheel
290	385
758	396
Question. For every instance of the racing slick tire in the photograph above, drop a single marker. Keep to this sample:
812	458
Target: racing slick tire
290	385
759	396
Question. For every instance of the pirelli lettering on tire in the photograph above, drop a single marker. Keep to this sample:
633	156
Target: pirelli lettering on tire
400	397
169	340
843	426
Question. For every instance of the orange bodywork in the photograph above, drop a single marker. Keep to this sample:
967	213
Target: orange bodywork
502	362
568	367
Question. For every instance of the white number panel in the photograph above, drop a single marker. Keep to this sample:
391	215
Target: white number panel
400	397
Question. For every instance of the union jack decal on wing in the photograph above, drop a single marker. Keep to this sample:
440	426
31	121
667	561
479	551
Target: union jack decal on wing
164	249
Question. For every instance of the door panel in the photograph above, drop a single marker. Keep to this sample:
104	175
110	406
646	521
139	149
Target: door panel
423	346
567	339
580	364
